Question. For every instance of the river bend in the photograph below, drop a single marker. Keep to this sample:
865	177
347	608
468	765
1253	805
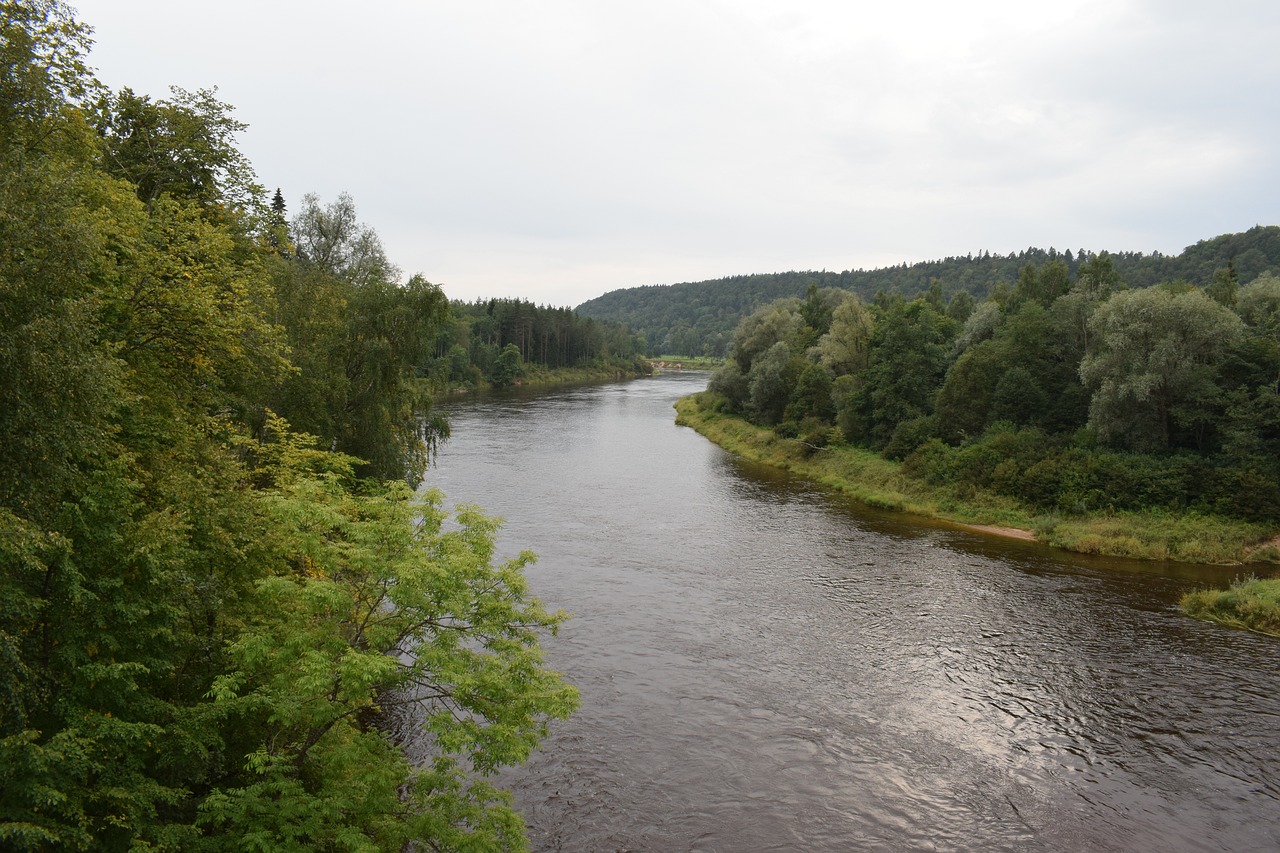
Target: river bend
765	666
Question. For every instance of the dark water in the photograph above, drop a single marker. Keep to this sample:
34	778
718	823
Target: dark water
765	666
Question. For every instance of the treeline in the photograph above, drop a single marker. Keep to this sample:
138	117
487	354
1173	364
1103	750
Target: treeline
497	341
216	584
698	318
1066	391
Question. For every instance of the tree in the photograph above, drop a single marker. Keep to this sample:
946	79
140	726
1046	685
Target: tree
775	322
205	621
277	226
507	368
1151	366
963	404
184	146
909	356
960	306
375	612
980	325
771	381
1225	286
42	70
812	396
333	240
818	309
845	348
362	340
1259	303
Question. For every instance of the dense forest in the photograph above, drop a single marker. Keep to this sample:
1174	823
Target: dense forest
497	342
1065	391
698	318
217	585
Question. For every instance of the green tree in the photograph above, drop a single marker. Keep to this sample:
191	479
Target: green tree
507	368
1152	365
846	346
331	239
775	322
910	351
43	69
362	341
1225	286
184	146
963	405
771	381
979	326
1259	303
202	633
811	397
376	612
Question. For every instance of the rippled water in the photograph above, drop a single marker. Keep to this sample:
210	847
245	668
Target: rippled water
765	666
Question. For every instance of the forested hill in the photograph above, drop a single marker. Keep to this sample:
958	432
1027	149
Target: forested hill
695	318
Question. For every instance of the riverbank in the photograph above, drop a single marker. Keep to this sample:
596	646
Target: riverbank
1249	603
536	376
679	362
879	482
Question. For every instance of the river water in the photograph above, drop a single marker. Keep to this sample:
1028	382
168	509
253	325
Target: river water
766	666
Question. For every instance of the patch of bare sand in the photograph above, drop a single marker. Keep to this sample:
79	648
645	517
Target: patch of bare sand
1010	532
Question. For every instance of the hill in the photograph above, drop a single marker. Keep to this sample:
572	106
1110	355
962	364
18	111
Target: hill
696	318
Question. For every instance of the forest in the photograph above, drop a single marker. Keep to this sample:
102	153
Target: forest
220	592
499	342
1067	392
698	318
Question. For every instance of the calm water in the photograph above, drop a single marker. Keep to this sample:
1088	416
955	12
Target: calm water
765	666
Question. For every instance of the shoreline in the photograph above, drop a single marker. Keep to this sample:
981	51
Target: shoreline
1153	535
1005	532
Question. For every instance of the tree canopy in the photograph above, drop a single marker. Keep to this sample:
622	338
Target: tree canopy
219	592
1070	393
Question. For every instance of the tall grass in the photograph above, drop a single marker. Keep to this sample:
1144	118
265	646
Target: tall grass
1248	603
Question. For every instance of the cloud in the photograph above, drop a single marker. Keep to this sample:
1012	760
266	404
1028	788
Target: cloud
561	149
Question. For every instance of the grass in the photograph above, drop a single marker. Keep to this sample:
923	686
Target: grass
1155	535
689	362
868	477
1248	603
537	375
861	474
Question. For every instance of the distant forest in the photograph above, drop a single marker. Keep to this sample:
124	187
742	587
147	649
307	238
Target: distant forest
698	318
498	341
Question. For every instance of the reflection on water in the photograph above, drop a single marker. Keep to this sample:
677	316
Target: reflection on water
765	666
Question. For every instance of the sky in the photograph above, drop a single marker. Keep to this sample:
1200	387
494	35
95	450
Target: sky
558	150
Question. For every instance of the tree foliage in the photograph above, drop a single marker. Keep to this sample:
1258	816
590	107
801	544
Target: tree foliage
1153	367
710	310
1070	394
210	621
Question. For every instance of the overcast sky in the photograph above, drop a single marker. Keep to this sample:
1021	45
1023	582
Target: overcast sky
560	149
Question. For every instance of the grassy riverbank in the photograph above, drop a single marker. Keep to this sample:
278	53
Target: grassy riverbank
868	477
686	362
1248	603
536	375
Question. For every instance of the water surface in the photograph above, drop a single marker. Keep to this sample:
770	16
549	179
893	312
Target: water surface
766	666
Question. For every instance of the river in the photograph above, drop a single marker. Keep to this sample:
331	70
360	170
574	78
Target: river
766	666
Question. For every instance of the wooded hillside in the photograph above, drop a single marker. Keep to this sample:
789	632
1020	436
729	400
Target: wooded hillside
698	318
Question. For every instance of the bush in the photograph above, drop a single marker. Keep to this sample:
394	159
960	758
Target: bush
909	435
933	462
